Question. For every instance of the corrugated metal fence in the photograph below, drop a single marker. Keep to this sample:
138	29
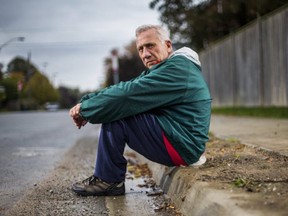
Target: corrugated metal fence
250	67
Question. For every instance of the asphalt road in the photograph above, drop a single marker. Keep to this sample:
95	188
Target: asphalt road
43	153
31	144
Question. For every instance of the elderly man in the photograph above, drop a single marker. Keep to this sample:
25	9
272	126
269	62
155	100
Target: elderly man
163	114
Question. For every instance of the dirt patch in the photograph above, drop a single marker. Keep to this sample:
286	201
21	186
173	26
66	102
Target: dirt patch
238	167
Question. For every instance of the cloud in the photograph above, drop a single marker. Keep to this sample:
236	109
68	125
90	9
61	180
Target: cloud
72	36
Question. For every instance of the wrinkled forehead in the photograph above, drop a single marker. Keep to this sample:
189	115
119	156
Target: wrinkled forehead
146	37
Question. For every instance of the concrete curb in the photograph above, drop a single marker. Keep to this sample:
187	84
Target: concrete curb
198	198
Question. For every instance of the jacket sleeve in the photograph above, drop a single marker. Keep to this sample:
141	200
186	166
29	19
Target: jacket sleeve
93	94
88	96
165	85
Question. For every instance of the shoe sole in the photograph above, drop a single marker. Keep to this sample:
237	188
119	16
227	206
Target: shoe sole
117	192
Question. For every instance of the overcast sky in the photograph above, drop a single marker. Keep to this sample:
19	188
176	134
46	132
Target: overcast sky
69	39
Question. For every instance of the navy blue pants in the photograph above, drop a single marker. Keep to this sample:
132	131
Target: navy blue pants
142	133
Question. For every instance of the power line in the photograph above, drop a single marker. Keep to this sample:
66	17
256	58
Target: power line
67	44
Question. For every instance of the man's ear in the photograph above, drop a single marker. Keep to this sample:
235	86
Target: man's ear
169	46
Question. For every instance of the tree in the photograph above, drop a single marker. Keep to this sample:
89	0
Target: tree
25	85
22	66
1	73
10	86
69	97
40	89
198	25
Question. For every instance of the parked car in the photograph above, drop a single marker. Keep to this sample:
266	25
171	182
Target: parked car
51	106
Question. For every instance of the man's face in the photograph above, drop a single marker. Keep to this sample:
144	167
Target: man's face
151	49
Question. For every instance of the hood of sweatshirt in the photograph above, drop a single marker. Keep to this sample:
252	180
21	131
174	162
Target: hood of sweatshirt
188	53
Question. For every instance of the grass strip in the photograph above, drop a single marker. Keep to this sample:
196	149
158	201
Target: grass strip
266	112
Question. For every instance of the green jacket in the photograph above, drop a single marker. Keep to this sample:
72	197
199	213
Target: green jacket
174	90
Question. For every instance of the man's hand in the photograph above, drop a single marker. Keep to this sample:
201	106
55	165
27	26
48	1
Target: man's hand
75	114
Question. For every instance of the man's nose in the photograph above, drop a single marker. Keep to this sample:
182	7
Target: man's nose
146	53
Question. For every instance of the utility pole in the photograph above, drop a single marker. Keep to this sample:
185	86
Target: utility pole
115	66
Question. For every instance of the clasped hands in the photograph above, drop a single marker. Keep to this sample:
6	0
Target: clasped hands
75	114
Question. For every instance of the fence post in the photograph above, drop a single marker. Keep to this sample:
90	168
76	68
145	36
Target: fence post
262	79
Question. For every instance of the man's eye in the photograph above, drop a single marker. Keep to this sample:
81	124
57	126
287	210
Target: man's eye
150	46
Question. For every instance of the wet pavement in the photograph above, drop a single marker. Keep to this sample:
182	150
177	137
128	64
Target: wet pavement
53	195
31	144
42	154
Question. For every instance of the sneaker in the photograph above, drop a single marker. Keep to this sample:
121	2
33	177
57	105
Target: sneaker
94	186
200	162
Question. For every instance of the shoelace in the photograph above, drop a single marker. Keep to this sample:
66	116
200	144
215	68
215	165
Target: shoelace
90	180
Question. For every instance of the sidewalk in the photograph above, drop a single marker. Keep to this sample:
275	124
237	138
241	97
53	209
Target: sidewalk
269	134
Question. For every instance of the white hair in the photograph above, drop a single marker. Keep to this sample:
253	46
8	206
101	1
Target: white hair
162	33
